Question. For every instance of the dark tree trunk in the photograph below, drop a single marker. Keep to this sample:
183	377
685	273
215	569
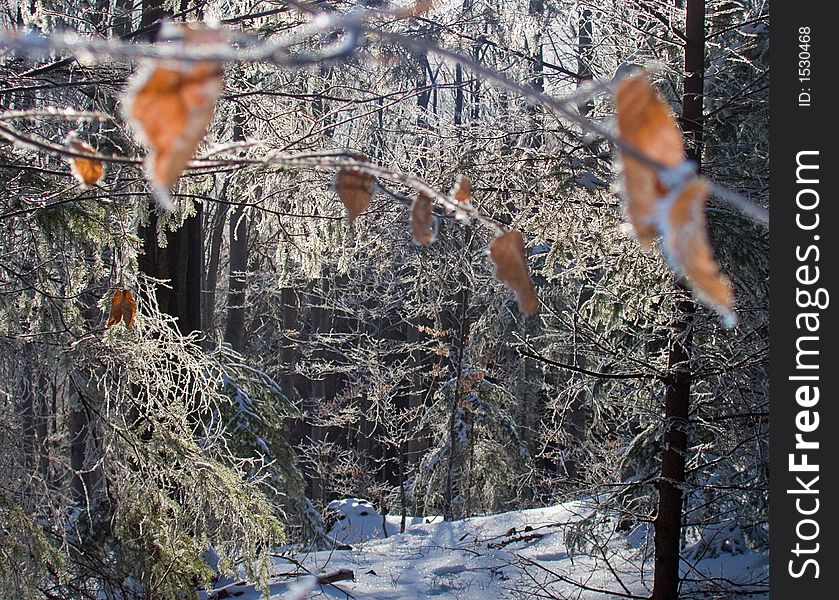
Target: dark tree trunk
322	322
692	121
668	522
458	321
152	18
33	415
423	127
77	431
122	18
288	352
458	94
585	54
182	260
536	138
211	272
234	331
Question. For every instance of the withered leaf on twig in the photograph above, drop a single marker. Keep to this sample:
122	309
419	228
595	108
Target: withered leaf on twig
170	105
508	255
418	8
123	308
355	189
462	195
647	124
422	219
87	171
685	243
462	190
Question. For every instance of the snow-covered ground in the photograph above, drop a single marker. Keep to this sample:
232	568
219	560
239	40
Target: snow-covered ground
521	554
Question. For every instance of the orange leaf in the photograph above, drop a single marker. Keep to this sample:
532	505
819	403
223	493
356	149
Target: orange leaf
422	219
507	252
355	189
462	193
170	105
123	308
684	240
645	122
418	8
116	308
86	171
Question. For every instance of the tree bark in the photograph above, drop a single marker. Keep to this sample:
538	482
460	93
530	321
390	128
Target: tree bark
182	260
668	523
458	94
234	331
585	54
458	321
219	219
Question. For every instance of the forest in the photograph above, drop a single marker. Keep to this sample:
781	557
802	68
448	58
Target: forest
379	300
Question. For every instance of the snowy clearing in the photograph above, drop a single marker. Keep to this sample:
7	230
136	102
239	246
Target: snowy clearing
521	554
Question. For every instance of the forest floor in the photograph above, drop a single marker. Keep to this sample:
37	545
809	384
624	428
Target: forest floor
520	554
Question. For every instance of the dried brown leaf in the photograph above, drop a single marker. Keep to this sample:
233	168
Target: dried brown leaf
87	171
462	190
123	308
645	122
507	252
684	241
355	189
170	105
462	194
418	8
422	219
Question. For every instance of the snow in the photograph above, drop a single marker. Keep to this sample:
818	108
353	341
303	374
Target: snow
357	521
519	554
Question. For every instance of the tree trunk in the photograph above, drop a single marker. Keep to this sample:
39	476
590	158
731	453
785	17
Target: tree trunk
322	319
290	333
458	94
234	331
77	431
458	322
668	523
453	482
416	446
536	138
211	272
423	127
585	54
182	260
33	417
